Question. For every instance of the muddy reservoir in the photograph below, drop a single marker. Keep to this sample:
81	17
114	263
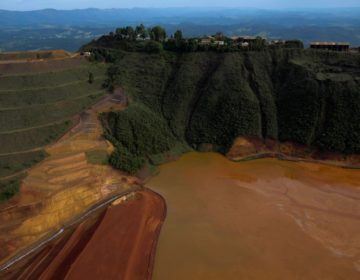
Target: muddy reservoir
263	219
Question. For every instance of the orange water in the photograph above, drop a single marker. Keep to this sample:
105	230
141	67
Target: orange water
263	219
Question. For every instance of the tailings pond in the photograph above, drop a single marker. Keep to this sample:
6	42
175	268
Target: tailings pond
263	219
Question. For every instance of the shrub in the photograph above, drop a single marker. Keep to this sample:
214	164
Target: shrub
8	190
153	47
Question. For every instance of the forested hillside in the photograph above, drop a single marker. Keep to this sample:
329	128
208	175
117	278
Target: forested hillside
303	96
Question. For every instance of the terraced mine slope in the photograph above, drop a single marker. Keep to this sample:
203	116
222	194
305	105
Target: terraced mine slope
34	55
49	116
288	102
38	102
66	185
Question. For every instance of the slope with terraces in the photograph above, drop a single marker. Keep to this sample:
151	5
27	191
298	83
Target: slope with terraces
72	177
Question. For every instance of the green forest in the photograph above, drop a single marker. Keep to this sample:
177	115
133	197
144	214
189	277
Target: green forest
210	97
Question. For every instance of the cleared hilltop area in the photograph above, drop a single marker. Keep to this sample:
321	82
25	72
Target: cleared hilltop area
257	99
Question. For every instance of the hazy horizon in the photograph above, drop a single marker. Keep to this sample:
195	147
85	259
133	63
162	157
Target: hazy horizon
27	5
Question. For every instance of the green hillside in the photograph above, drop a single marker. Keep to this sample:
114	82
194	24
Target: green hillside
38	101
191	98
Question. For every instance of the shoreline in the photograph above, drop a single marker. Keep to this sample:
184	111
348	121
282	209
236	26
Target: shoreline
281	156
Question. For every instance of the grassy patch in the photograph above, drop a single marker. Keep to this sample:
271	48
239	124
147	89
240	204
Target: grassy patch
14	163
37	108
33	97
99	157
34	55
9	188
49	79
45	114
33	138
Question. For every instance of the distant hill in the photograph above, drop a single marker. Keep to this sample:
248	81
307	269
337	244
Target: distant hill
206	16
56	29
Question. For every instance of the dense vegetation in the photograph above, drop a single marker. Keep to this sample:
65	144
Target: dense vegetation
303	96
155	39
9	188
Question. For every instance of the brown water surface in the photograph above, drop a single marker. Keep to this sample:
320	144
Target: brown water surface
263	219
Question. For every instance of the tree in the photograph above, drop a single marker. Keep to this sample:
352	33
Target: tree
122	159
192	45
120	32
130	32
259	44
178	36
219	36
126	33
91	78
141	31
296	44
153	47
158	34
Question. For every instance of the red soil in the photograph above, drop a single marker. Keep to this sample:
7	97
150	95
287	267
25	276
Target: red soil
122	246
246	147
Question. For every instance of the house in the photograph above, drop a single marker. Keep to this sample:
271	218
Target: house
140	37
207	40
219	42
240	40
86	54
277	42
330	46
248	39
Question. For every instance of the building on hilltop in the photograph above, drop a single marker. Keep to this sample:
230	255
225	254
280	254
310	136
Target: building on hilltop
207	40
219	42
243	39
210	40
86	54
330	46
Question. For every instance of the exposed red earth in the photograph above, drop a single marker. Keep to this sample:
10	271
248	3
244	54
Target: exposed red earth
118	244
247	148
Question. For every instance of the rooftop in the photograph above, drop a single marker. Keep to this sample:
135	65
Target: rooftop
330	43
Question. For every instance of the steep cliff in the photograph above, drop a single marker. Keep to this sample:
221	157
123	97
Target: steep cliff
302	96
